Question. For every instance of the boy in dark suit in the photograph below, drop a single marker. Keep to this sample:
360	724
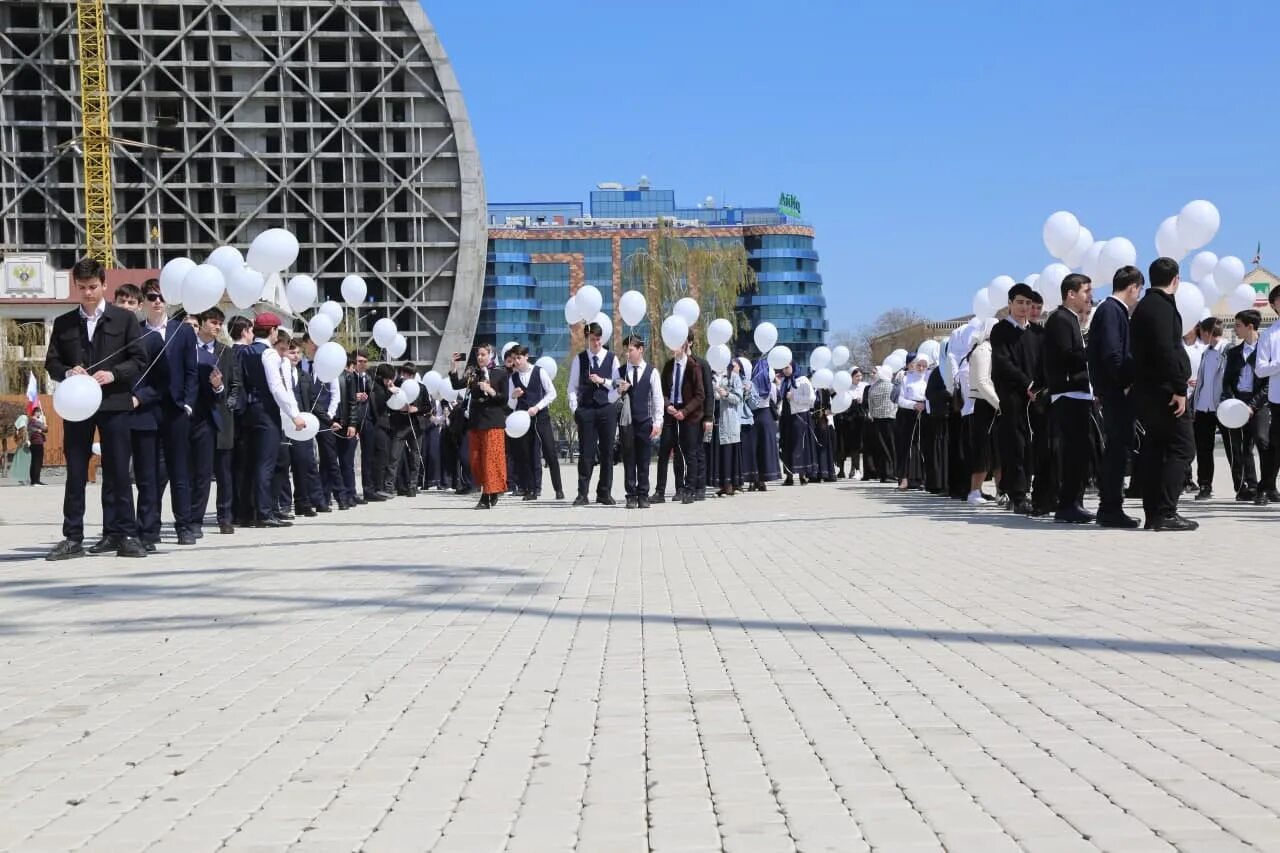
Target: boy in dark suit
98	340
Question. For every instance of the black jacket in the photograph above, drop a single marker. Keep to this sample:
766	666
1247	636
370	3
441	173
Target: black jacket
115	348
352	412
1235	362
1010	367
1110	356
1066	363
485	412
1161	367
708	381
230	400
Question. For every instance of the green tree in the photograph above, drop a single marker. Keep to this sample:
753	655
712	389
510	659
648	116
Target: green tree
561	417
859	339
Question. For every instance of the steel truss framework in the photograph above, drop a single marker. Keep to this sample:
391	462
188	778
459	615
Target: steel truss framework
341	121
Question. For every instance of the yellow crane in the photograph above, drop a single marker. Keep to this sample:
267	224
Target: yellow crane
95	119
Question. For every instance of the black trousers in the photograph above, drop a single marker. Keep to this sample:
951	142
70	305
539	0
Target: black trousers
175	441
401	445
118	518
1044	474
1117	428
223	473
1206	427
880	449
1014	440
347	449
430	455
597	428
1268	450
331	485
243	460
1168	446
936	444
669	446
265	434
957	457
37	462
204	442
1071	429
530	449
145	446
369	470
637	451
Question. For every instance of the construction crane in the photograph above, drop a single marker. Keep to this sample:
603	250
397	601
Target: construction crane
96	134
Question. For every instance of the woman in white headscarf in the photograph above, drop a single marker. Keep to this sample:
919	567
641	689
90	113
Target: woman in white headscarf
985	405
907	425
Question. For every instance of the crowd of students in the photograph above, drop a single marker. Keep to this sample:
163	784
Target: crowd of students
1042	405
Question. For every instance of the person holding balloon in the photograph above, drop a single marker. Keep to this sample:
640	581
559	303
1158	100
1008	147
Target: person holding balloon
908	427
730	396
685	395
592	389
487	388
796	394
266	401
1206	396
762	463
641	421
1241	381
533	391
95	354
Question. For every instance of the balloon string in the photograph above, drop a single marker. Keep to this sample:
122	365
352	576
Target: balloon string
122	349
168	340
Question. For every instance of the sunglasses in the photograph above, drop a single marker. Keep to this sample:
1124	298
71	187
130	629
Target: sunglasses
154	297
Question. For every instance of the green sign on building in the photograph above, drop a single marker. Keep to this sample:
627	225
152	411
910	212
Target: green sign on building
789	205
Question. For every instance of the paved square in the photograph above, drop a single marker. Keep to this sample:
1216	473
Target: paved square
826	668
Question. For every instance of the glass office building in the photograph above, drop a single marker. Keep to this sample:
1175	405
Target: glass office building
541	252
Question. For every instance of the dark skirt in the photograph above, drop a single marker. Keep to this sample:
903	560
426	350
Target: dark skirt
729	469
824	451
765	465
982	439
907	441
957	457
747	466
799	451
936	446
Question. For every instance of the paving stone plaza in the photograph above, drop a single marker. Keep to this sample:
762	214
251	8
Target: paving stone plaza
827	668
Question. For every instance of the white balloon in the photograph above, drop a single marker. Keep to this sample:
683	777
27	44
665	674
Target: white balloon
226	258
1118	252
434	382
1198	223
1091	267
572	315
1075	257
549	366
1206	314
1052	298
1194	354
745	364
1050	280
77	398
410	388
307	433
1233	414
896	361
632	307
843	401
842	381
675	332
606	326
982	304
1241	299
397	401
688	309
398	345
272	251
931	350
589	301
1229	272
508	345
998	291
820	358
719	331
354	290
1167	245
244	286
840	356
1209	289
518	423
766	335
202	288
1203	265
884	372
1190	302
1060	233
333	311
171	277
301	291
384	332
96	448
320	328
1032	280
329	362
718	357
823	378
779	357
448	392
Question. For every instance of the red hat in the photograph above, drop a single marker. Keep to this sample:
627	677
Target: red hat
266	320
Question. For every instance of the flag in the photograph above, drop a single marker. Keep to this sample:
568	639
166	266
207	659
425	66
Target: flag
1257	256
33	394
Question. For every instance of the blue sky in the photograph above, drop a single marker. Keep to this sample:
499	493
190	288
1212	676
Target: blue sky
928	141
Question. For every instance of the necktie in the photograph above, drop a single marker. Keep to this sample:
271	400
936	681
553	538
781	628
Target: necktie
595	363
635	371
675	386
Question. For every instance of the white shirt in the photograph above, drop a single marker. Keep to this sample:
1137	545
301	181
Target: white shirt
91	321
548	389
272	365
610	382
912	390
1267	361
656	405
677	388
1245	382
209	347
161	330
1123	304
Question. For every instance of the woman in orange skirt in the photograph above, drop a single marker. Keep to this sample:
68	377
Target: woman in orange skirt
486	386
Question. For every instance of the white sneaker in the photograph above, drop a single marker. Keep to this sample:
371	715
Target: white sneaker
975	498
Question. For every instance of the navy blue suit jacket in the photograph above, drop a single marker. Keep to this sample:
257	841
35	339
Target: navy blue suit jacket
171	380
206	407
1110	359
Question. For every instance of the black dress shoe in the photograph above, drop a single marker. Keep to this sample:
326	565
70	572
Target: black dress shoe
373	497
1204	494
362	500
1072	516
287	516
580	500
1117	520
700	495
324	508
658	498
130	547
105	545
1022	506
198	531
343	507
760	487
529	497
493	499
186	537
484	503
1245	495
226	528
276	522
1039	512
631	503
686	498
607	500
150	546
67	549
1260	498
642	502
559	494
308	512
790	482
1175	523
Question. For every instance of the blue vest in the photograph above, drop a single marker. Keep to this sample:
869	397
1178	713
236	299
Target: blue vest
255	375
322	395
641	395
590	395
534	392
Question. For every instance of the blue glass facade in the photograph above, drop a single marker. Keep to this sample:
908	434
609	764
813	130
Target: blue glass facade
535	259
